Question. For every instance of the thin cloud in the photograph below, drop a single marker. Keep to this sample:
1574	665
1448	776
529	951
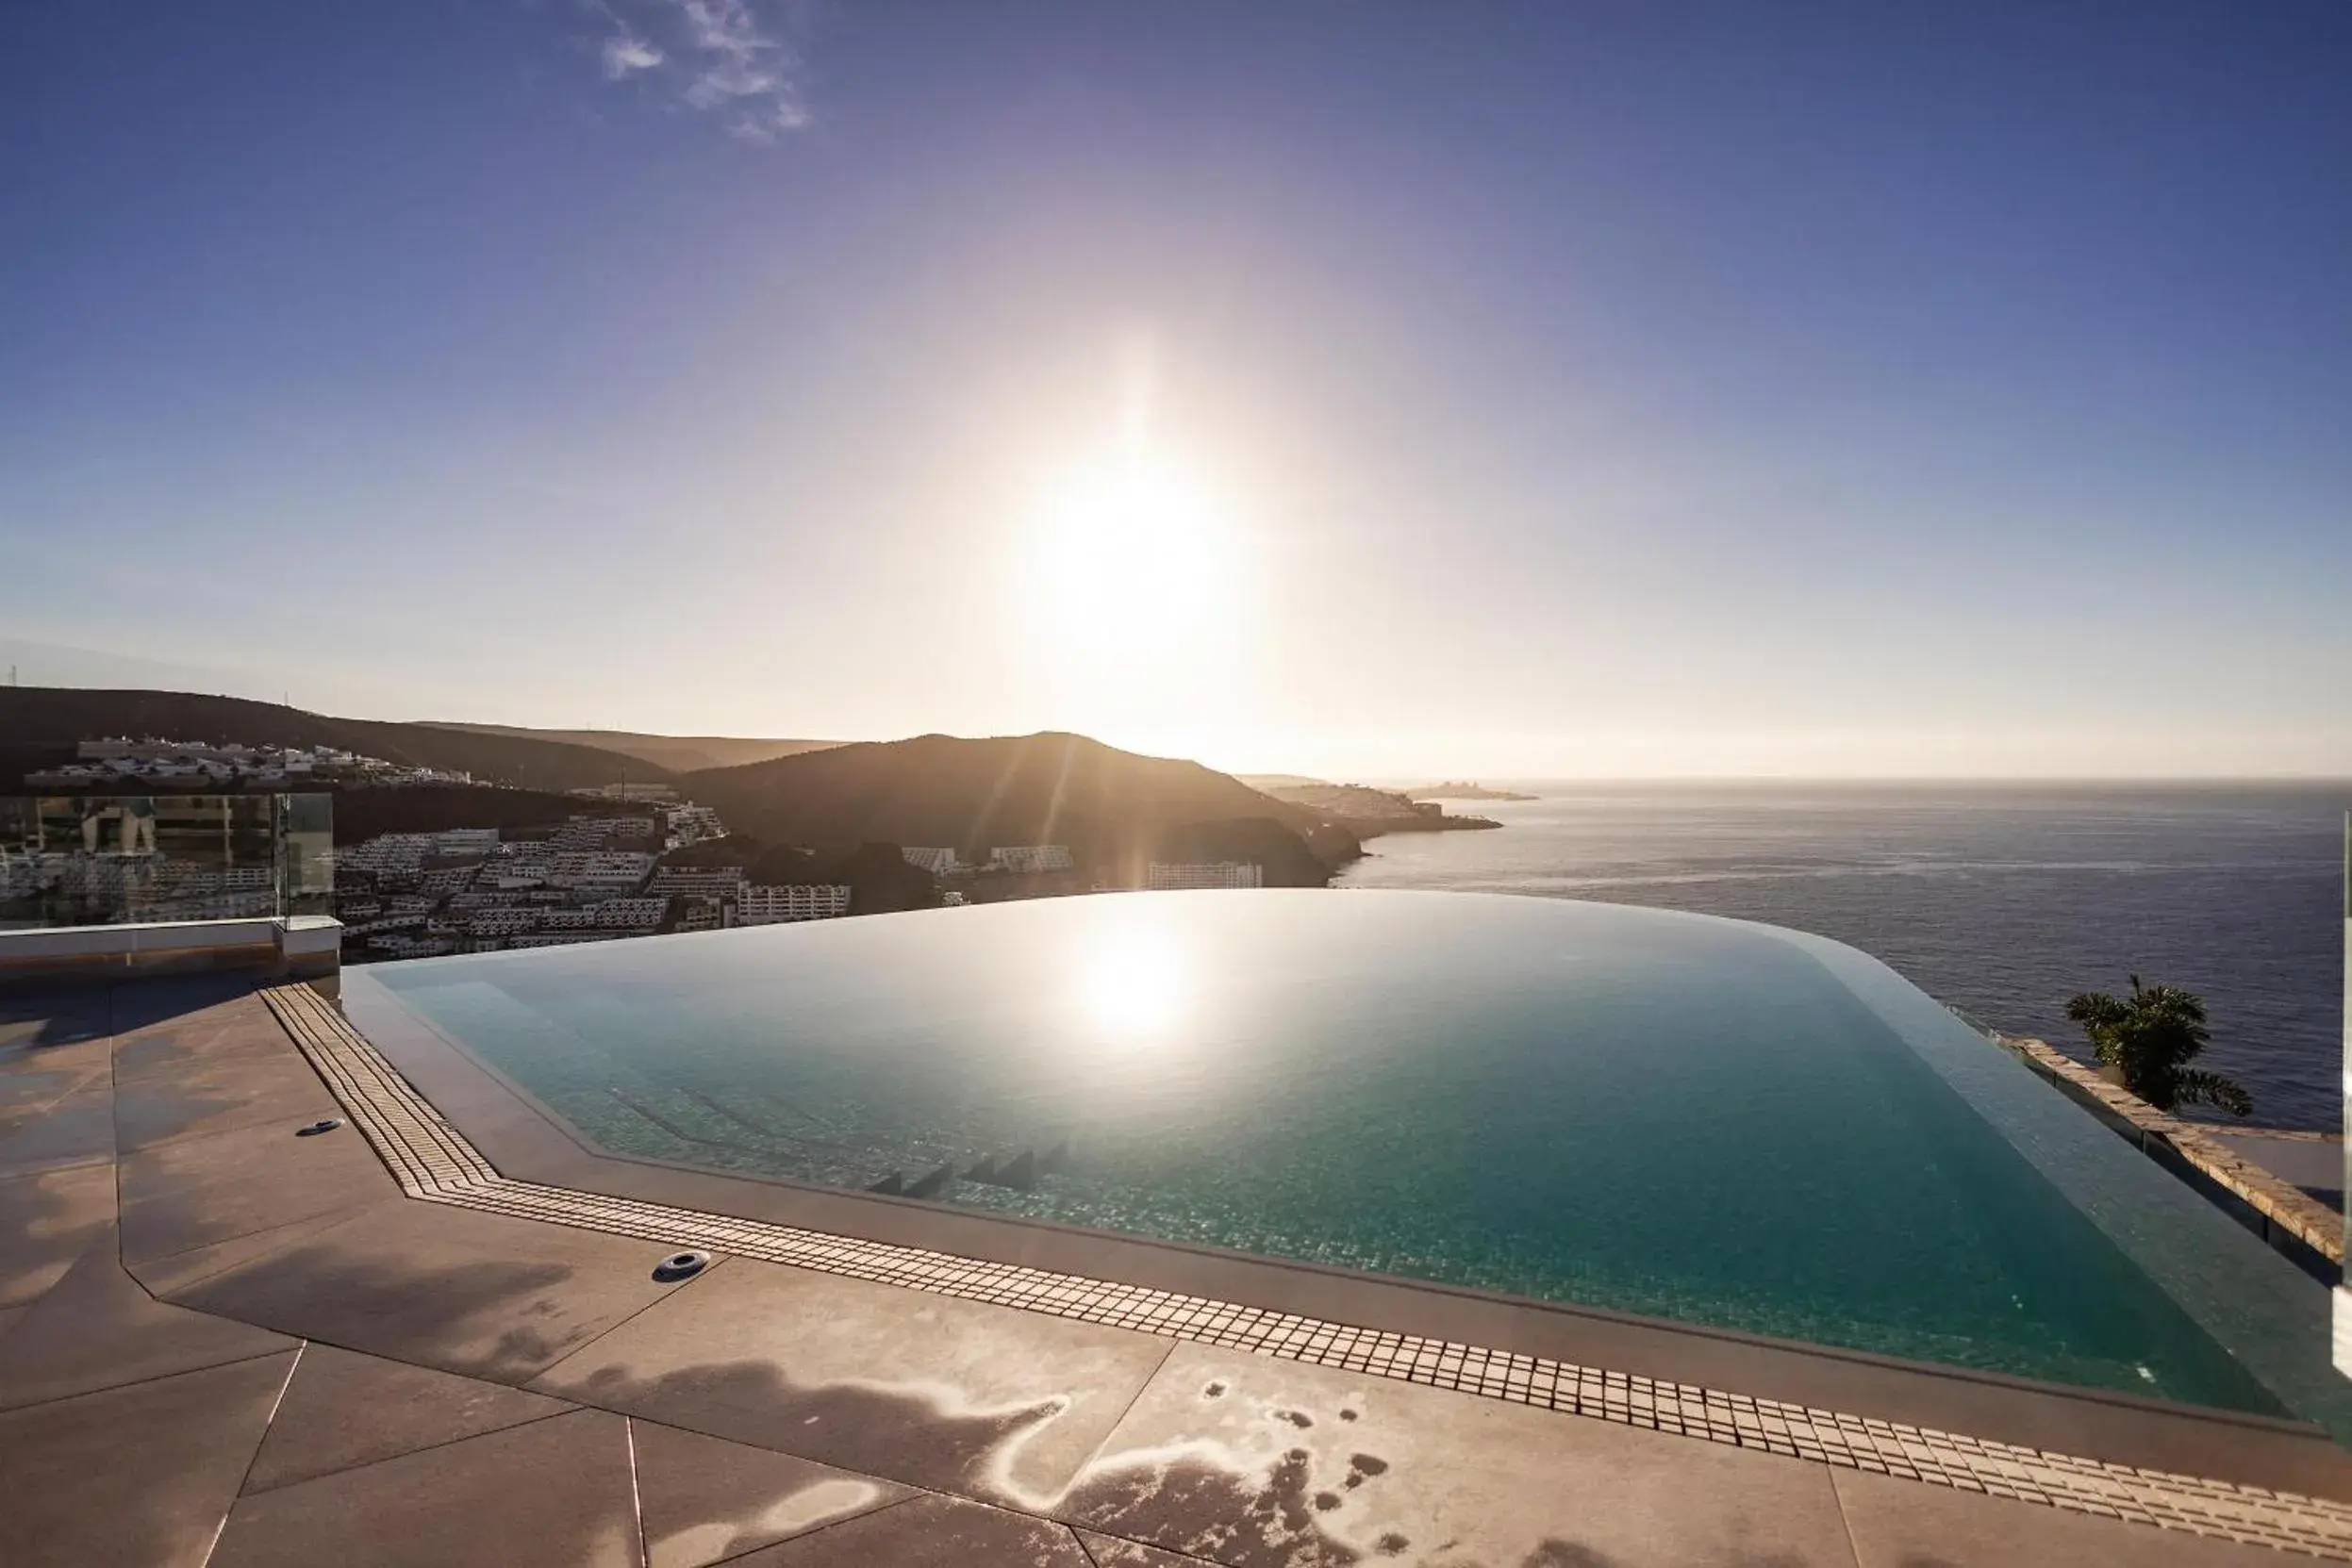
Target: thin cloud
626	54
779	119
724	58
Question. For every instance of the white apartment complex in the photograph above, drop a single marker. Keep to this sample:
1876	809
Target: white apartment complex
704	881
630	914
501	922
465	841
690	824
600	870
1216	873
939	863
768	906
1030	859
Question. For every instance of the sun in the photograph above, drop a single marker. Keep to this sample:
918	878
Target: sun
1134	562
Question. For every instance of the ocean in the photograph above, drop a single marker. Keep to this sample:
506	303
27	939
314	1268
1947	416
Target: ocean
2001	899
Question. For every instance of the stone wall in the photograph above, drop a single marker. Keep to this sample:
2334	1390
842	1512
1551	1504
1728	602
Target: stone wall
2281	1214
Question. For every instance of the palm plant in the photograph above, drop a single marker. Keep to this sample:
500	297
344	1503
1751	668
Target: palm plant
2149	1037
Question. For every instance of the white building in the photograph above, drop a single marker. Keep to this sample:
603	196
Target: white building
594	832
501	922
700	881
768	906
1218	873
1030	859
701	913
691	824
939	863
465	841
390	851
600	870
634	793
445	880
630	914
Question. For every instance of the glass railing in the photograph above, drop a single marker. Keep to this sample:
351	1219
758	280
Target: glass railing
86	860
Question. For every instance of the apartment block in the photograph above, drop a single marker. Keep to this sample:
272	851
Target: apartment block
1030	859
939	863
1218	873
768	906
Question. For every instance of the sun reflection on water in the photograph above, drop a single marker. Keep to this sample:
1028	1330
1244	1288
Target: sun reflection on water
1134	985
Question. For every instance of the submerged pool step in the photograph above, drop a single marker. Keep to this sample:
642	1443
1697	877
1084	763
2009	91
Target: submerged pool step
649	1114
1020	1173
931	1186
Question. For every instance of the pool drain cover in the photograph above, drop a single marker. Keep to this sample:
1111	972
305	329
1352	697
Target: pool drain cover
681	1266
329	1125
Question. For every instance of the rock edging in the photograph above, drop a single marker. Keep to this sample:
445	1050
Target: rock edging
2283	1214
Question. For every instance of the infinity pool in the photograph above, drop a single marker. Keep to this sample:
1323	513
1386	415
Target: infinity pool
1661	1114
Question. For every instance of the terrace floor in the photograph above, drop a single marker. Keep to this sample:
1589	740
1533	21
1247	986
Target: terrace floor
223	1343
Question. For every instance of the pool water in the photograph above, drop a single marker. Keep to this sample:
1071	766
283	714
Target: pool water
1670	1115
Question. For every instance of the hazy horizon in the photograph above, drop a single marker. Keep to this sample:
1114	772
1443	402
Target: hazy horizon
1797	390
105	672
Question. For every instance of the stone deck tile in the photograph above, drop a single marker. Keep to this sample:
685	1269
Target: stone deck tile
76	1128
198	1190
929	1532
47	1220
34	1076
41	1026
96	1328
168	1276
1254	1464
136	1476
479	1295
343	1410
553	1494
953	1396
1109	1551
160	1026
217	1096
703	1499
1900	1524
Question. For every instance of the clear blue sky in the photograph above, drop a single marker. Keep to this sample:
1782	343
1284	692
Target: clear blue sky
1640	387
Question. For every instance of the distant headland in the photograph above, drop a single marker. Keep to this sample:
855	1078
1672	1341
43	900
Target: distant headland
1457	789
1367	812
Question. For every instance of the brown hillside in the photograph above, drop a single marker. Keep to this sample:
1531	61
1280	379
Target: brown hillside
39	727
1115	809
674	754
365	813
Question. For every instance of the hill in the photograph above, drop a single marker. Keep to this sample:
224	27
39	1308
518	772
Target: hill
1368	811
1461	789
39	727
672	753
1115	810
428	808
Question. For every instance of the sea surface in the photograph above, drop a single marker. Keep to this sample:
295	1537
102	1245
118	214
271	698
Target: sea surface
2003	900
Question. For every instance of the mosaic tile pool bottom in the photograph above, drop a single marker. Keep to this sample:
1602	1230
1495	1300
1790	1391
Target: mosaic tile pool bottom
435	1162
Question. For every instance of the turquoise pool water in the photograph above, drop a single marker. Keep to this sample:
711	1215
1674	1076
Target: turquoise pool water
1654	1112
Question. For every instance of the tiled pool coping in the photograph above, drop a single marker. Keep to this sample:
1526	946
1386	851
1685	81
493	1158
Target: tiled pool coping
435	1162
